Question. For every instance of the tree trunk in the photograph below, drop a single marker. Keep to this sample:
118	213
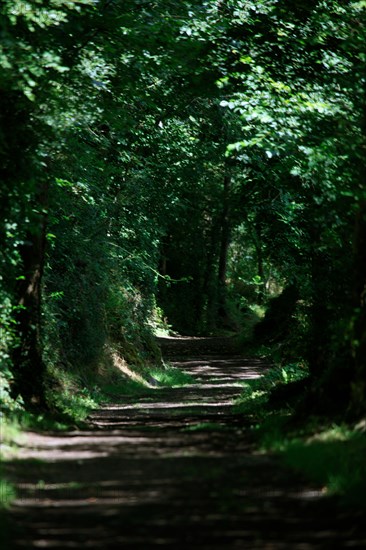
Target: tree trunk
358	343
29	368
209	286
319	313
224	246
259	252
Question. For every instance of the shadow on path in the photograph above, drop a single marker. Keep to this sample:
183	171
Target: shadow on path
176	469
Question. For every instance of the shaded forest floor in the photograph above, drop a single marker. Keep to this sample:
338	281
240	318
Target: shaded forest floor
177	468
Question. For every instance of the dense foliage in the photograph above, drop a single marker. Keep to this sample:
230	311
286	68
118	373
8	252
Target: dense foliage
202	156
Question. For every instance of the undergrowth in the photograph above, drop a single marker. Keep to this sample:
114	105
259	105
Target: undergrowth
73	395
9	432
255	396
7	493
170	376
330	454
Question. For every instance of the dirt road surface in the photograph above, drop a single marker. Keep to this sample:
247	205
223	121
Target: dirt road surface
175	469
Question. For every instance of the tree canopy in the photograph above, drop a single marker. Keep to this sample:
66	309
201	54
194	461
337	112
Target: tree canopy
193	161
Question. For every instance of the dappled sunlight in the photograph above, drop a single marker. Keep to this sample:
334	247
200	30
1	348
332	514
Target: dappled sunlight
174	468
173	405
173	499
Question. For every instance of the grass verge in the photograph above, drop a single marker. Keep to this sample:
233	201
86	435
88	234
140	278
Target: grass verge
170	377
7	494
255	397
330	454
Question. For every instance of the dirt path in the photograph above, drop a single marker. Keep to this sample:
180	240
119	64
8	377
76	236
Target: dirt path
176	469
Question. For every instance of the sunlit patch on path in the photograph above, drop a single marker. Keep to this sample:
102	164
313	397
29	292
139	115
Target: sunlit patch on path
177	468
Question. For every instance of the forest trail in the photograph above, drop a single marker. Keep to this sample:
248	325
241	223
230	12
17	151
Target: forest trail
175	469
